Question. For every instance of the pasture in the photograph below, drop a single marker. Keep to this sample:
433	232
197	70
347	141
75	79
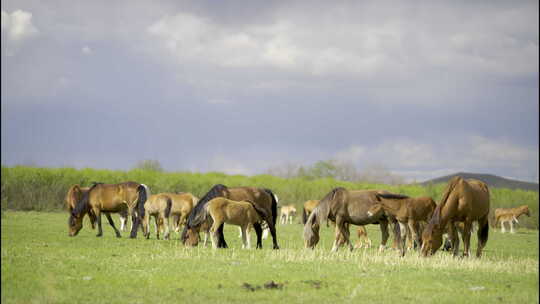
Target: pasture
41	264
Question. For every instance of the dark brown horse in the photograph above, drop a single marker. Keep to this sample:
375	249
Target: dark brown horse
345	207
110	198
464	201
262	198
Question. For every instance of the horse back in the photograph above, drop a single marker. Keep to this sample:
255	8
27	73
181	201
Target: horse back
114	197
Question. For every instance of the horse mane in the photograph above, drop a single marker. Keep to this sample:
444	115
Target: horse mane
82	204
449	188
391	196
198	214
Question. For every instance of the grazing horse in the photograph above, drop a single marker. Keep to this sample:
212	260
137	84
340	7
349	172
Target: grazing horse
345	207
110	198
287	213
308	208
464	201
408	211
182	204
510	215
243	214
158	206
75	193
263	198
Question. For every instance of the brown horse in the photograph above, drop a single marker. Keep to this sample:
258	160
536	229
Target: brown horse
510	215
408	211
243	214
110	198
308	208
158	206
263	198
345	207
182	204
464	201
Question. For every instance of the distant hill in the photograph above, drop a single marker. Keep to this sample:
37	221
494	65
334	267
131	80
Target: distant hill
492	181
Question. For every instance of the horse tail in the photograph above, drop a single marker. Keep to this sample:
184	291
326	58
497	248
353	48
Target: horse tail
274	205
304	215
169	206
143	196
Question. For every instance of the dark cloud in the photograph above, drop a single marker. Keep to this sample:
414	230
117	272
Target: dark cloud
240	87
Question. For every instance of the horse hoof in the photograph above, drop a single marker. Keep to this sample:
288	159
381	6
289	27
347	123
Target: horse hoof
118	236
99	235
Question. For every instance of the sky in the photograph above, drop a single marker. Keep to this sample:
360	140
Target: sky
422	88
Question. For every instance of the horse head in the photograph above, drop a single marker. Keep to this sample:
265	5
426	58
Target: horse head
432	235
75	224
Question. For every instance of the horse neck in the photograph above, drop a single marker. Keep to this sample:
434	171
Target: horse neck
521	211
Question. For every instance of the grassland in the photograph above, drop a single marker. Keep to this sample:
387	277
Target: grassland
41	264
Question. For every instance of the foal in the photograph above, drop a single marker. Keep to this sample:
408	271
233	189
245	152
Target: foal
158	206
510	215
287	214
242	213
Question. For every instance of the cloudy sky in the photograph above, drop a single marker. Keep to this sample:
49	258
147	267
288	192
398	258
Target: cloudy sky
423	88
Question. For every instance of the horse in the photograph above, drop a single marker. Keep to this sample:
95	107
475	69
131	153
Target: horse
263	198
108	198
464	201
510	215
345	207
182	204
287	214
308	208
75	193
243	214
158	206
408	211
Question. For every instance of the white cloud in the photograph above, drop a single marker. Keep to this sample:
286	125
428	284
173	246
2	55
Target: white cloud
18	25
398	46
86	50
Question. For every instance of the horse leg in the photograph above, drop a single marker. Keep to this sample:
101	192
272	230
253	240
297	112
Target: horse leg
245	244
156	225
503	230
403	238
466	236
135	224
258	231
272	228
166	224
454	237
98	220
414	234
512	226
111	222
214	235
383	224
221	240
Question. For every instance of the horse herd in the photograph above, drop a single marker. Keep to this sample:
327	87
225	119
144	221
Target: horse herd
420	219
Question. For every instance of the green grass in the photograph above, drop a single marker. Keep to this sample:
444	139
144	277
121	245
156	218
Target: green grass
41	264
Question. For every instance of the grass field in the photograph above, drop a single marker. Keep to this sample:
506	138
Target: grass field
41	264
